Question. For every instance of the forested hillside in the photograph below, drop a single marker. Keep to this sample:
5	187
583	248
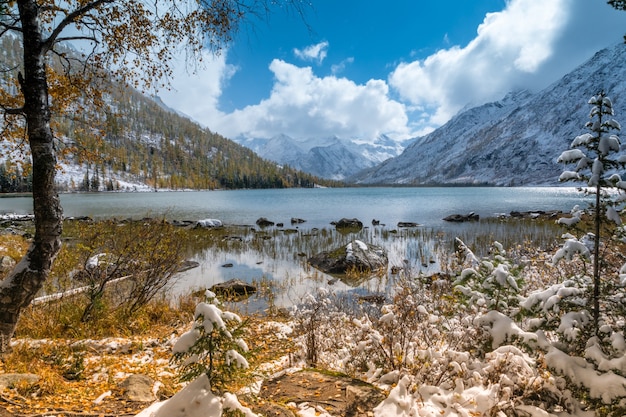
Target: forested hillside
129	138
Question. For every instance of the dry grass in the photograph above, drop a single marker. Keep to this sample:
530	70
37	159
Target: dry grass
75	371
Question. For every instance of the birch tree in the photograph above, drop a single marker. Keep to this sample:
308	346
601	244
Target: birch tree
131	41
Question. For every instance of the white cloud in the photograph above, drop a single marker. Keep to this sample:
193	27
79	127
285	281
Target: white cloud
195	90
340	67
303	105
514	41
527	45
315	52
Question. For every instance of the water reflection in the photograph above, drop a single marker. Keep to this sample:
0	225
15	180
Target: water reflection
275	260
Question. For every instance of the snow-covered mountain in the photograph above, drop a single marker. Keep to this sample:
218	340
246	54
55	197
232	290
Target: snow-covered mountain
330	157
515	141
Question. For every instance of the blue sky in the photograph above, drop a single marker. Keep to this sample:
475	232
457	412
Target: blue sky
358	69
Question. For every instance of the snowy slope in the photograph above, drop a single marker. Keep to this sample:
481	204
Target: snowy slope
515	141
326	157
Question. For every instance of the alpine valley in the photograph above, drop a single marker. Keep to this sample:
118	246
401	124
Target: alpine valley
136	143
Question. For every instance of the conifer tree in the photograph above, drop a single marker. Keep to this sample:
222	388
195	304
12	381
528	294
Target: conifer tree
596	155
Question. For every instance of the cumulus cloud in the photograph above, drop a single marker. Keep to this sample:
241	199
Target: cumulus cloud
303	105
195	89
527	45
509	43
315	52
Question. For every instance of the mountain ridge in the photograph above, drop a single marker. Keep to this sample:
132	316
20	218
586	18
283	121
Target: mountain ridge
511	142
134	142
326	157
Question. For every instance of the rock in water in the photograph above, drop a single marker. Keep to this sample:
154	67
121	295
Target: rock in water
459	218
263	222
348	225
355	256
233	288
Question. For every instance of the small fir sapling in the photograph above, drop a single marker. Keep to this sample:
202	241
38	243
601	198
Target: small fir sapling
491	283
213	347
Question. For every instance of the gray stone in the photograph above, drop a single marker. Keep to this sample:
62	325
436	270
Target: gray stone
355	256
339	395
408	224
6	263
138	388
349	225
459	218
10	380
233	287
263	222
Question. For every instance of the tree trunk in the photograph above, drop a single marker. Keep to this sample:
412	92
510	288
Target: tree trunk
20	287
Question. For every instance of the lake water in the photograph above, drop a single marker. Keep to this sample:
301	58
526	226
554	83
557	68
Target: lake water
318	206
277	264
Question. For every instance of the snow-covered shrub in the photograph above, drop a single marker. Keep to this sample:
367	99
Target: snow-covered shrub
310	315
491	283
488	290
477	352
403	329
213	347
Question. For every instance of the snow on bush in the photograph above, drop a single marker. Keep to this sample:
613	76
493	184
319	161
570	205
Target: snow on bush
213	346
196	400
478	344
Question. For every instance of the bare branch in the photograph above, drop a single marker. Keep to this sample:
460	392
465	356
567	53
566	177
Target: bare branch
77	38
13	111
9	27
4	69
71	18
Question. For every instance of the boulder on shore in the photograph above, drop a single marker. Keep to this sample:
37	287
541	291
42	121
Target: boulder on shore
459	218
6	263
9	380
138	388
340	395
355	256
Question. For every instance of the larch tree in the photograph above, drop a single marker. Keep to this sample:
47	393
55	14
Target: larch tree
130	41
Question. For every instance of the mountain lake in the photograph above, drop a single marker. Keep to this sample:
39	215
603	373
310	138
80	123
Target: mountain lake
278	264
